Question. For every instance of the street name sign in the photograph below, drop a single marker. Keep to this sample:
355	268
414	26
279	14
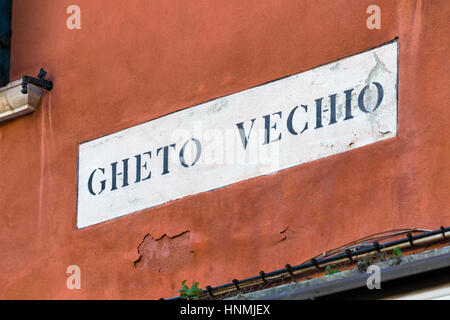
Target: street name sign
334	108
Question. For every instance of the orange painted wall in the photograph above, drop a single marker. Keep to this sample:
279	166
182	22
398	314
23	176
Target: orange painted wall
136	60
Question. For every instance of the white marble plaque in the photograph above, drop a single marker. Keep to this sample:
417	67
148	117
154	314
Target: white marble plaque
325	111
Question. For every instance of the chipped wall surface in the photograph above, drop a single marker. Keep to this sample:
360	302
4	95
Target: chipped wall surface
136	61
165	254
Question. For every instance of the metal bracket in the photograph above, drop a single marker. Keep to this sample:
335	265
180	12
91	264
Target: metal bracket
39	81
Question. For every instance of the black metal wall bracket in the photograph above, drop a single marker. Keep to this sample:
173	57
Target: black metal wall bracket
39	81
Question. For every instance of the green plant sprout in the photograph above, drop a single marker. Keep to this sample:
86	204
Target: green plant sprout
397	256
329	270
397	252
192	293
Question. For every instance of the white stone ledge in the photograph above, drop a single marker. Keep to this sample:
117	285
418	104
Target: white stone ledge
14	103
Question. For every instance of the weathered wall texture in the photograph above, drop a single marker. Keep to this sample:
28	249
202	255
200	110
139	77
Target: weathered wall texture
137	60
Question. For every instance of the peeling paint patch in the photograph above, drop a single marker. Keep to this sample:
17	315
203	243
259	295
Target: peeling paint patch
165	254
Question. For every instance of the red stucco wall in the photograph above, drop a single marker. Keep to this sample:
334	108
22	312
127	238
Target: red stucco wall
133	61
